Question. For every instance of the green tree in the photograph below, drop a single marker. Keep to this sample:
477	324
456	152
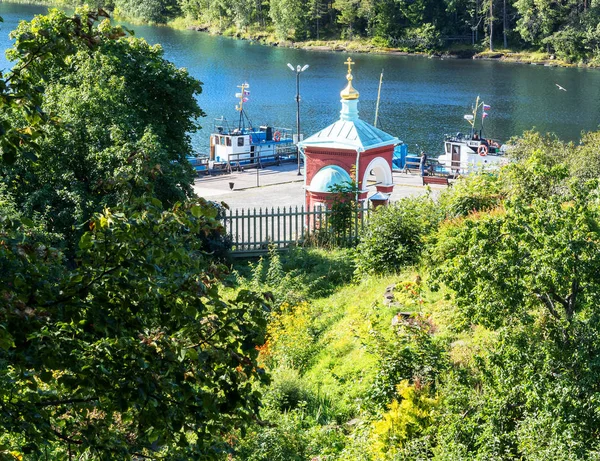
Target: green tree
121	107
525	272
387	21
526	395
584	159
21	94
288	18
347	14
539	19
131	352
317	10
532	253
159	11
215	13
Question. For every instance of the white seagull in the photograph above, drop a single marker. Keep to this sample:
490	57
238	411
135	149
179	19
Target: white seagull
560	87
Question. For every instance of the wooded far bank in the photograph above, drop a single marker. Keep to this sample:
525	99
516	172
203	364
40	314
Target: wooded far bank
568	31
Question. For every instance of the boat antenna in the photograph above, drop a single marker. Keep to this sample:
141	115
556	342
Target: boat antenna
243	97
378	98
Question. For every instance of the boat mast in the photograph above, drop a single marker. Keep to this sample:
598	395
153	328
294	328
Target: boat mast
378	98
475	109
240	107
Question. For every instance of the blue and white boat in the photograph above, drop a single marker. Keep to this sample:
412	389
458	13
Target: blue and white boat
244	146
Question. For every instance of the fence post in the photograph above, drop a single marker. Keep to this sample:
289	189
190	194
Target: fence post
237	234
243	229
254	229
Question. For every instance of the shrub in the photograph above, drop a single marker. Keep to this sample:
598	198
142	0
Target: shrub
380	42
477	192
290	436
291	339
394	237
415	354
287	390
407	419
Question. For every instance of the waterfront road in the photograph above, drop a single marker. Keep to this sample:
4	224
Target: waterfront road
280	186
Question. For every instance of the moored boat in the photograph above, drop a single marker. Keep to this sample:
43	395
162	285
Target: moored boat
242	145
464	153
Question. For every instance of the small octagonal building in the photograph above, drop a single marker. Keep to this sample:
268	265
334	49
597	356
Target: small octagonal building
348	150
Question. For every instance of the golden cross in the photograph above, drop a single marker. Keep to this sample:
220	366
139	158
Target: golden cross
349	63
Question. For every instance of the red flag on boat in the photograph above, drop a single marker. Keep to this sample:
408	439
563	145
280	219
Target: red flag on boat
485	114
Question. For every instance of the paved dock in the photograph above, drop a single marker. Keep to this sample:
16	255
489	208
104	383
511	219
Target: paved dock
280	186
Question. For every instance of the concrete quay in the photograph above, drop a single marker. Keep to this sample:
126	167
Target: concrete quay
280	186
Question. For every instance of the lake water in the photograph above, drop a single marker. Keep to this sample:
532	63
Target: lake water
421	98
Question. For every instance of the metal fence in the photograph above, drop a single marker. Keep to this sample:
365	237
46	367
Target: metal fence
253	231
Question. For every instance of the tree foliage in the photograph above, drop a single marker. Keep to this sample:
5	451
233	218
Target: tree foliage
395	235
542	252
567	29
21	91
527	271
119	108
115	341
131	351
158	11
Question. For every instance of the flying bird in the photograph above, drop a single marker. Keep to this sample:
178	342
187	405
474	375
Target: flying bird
560	87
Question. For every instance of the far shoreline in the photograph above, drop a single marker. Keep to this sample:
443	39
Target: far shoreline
360	45
363	46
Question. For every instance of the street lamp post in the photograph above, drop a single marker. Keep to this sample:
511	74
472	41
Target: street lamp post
298	70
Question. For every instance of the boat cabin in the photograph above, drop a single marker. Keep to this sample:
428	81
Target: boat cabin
466	153
247	145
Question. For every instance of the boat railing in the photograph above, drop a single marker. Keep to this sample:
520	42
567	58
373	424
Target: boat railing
221	126
434	166
282	154
467	167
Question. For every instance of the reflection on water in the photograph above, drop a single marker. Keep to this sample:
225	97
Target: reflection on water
422	99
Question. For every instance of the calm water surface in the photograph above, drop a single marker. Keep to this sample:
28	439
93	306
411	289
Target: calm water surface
421	98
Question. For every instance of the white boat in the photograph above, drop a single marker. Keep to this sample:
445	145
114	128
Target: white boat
241	146
464	153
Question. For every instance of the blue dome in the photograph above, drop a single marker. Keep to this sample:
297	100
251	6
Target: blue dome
327	177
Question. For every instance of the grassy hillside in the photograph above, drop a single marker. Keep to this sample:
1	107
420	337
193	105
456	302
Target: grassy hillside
327	354
487	351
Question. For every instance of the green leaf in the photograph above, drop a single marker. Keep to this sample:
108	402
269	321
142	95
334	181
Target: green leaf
27	222
6	339
192	354
197	211
85	242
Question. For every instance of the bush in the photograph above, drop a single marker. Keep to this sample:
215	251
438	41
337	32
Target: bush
415	354
290	436
394	237
406	420
290	339
477	192
380	42
287	390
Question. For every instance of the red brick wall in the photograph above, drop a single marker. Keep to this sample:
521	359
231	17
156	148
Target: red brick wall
317	158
